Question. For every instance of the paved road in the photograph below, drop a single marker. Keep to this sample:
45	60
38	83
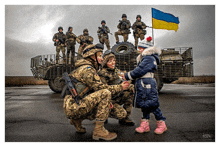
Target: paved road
35	114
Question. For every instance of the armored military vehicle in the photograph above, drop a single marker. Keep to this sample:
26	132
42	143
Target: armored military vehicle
44	67
175	62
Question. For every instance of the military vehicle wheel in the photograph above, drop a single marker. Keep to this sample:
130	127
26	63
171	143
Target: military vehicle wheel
56	84
123	48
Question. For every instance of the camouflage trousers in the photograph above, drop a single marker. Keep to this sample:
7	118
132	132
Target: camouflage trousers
96	104
136	36
126	100
62	48
80	51
125	35
72	49
104	39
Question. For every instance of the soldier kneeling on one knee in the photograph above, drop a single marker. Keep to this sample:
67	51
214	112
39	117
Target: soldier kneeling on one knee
95	96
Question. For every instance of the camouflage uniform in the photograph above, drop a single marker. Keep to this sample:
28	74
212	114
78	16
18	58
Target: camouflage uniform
97	103
60	46
83	40
110	76
103	35
139	31
124	29
71	42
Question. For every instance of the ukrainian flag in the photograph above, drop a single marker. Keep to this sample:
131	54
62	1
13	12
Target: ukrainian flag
161	20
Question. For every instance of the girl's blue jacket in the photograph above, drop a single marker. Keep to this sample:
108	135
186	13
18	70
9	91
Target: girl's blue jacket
146	95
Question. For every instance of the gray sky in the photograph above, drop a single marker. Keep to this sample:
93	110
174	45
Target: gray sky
29	30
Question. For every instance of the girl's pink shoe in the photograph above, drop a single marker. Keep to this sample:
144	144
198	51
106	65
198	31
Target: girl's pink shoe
161	127
144	126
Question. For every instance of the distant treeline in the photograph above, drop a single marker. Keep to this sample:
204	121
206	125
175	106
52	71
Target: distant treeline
23	80
196	79
29	80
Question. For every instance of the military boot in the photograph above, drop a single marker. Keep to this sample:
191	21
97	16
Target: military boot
126	121
100	132
78	125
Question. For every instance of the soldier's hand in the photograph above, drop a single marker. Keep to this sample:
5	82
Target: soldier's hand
57	40
123	76
125	85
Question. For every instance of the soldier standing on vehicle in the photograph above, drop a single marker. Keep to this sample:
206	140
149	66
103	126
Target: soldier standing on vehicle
59	41
71	42
103	34
83	40
123	28
96	101
138	28
109	74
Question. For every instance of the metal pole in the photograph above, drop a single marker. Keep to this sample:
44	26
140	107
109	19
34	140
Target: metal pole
152	26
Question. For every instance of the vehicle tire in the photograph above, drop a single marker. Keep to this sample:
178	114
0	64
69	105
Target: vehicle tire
56	84
123	48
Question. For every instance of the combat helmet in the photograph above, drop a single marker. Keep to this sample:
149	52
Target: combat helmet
92	49
103	21
124	15
85	30
106	56
69	28
60	28
138	16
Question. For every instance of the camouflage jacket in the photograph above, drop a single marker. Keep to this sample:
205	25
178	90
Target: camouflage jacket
103	30
84	39
138	27
61	37
70	38
109	76
87	74
124	25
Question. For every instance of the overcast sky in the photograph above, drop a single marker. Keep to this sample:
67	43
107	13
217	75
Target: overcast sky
29	30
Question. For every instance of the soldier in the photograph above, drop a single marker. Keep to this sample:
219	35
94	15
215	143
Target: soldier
138	28
96	102
109	75
71	42
103	34
59	41
124	28
83	40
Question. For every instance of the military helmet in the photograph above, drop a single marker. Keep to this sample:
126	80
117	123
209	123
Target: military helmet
92	49
124	15
106	56
138	16
103	21
85	30
70	28
60	28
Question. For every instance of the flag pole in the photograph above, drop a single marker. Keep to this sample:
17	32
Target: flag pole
152	25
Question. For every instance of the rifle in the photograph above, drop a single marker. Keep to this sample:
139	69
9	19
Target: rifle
70	86
103	30
123	23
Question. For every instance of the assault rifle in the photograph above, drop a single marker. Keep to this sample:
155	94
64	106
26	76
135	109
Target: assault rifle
123	23
70	86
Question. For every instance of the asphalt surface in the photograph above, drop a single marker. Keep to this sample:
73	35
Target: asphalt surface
35	114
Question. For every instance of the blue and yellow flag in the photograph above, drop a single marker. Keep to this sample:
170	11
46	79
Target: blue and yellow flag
163	20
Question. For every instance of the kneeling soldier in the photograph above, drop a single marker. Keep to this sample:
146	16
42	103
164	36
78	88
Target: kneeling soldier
95	96
109	75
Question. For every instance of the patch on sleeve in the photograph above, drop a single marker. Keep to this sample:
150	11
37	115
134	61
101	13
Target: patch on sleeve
155	62
88	67
96	77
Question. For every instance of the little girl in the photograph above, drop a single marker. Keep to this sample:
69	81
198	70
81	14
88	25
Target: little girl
146	95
